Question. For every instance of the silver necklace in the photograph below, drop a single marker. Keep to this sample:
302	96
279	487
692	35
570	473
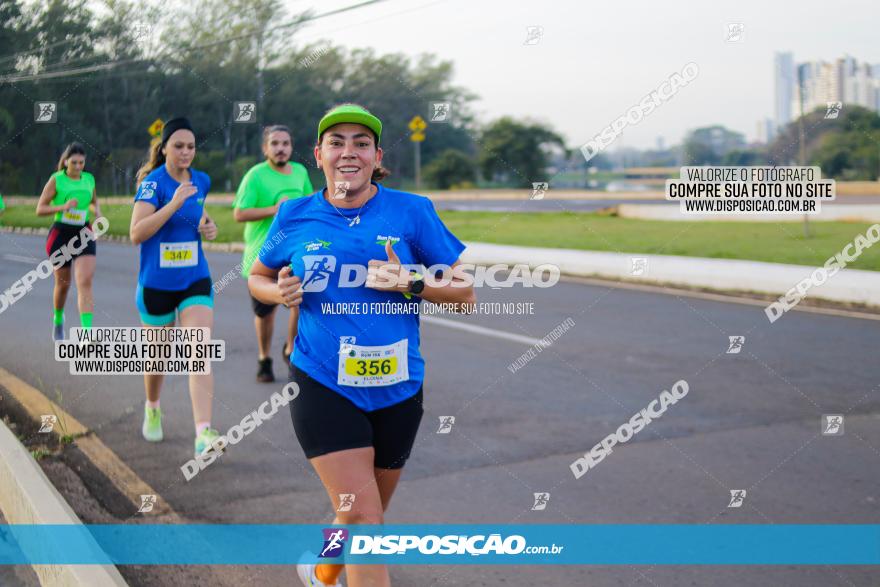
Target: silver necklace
357	219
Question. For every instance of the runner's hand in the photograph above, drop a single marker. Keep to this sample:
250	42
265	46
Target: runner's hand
208	228
388	275
280	201
183	192
290	287
71	204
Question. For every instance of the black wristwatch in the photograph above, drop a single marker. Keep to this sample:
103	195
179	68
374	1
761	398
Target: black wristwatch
417	285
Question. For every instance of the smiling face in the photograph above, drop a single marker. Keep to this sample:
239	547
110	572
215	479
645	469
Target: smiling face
180	149
75	165
348	153
278	148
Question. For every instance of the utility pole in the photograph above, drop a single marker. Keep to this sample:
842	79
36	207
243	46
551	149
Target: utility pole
802	156
418	147
418	125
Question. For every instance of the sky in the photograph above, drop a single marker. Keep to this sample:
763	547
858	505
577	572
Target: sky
595	60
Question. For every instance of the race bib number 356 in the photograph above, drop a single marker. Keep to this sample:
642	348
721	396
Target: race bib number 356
373	366
185	254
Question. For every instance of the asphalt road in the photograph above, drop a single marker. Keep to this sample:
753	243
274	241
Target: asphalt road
750	421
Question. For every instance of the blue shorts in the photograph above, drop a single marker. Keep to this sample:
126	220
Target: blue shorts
157	306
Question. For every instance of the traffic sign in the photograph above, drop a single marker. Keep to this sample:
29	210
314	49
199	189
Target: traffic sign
155	129
417	124
417	137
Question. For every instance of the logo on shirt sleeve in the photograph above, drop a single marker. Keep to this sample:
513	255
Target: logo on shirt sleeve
148	190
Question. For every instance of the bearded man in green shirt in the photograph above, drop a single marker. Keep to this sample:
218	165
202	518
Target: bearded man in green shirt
261	192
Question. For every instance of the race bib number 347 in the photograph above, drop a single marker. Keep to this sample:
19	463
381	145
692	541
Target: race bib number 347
373	366
185	254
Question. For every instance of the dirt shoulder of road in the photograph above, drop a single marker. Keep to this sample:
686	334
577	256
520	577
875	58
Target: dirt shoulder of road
88	483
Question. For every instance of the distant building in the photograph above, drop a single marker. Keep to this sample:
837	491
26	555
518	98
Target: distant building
765	131
785	80
820	82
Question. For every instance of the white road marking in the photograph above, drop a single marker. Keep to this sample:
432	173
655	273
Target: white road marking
21	259
473	328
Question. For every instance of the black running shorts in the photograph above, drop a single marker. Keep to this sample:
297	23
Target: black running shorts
61	234
157	306
260	309
327	422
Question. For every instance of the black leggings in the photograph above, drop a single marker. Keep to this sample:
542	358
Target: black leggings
326	422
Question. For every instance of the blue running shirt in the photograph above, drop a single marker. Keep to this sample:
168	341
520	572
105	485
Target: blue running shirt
172	259
318	243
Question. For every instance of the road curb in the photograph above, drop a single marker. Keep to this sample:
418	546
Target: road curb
120	478
87	453
848	286
28	497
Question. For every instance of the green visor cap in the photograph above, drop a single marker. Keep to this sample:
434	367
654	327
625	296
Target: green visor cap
352	114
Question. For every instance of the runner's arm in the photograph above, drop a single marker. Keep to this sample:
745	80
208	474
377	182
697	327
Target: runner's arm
207	227
251	214
95	205
44	207
273	286
455	292
242	208
146	220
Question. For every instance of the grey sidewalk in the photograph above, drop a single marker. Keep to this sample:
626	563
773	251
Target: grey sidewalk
848	285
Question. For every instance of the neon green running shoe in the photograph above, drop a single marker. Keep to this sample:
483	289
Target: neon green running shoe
152	429
209	441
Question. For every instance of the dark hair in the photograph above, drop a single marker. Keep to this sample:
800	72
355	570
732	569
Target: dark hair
268	130
155	158
379	173
71	149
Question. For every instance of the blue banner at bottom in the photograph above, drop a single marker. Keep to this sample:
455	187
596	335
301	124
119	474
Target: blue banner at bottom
454	544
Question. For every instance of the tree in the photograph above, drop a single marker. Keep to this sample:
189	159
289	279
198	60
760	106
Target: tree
844	148
200	58
744	157
709	145
451	167
12	36
124	101
516	152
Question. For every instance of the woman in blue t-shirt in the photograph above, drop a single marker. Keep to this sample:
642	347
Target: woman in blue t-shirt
168	222
345	261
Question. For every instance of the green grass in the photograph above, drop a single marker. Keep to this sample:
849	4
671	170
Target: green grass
119	216
759	241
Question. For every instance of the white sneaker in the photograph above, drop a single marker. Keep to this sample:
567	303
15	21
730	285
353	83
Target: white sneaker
306	574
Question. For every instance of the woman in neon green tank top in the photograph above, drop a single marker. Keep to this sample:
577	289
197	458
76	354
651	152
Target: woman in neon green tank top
70	195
